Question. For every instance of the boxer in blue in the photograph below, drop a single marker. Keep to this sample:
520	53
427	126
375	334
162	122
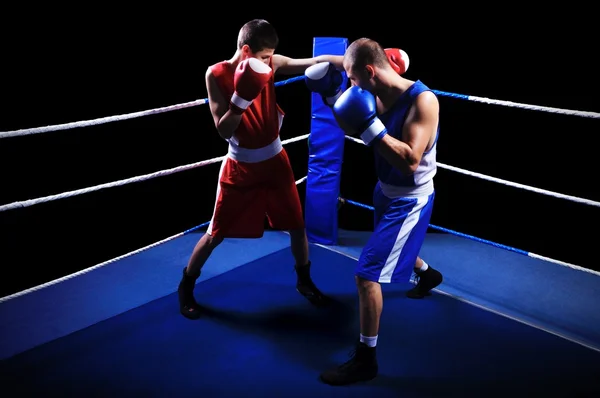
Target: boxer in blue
399	119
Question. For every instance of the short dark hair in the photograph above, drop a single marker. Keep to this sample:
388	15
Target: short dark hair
258	34
365	51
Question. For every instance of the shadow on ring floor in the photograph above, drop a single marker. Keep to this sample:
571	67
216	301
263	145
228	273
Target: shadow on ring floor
116	330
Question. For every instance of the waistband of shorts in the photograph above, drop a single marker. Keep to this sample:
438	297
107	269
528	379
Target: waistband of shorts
395	191
240	154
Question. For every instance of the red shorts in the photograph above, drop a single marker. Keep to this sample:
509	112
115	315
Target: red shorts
249	192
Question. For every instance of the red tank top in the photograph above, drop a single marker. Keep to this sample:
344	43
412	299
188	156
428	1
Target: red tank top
261	121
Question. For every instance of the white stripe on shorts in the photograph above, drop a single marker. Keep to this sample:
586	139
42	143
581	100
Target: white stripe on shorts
408	225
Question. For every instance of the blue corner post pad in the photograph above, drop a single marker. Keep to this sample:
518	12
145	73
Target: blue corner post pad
325	156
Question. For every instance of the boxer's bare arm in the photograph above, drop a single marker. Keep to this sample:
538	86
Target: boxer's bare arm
418	134
292	66
225	121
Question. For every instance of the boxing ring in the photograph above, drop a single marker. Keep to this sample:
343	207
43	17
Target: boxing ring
491	328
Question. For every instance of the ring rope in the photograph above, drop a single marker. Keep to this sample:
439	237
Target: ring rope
488	242
108	119
31	202
85	271
102	120
511	104
505	182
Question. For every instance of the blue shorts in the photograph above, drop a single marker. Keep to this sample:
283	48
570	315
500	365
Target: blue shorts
400	227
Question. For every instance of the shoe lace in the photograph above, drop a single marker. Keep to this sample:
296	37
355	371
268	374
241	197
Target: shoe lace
417	279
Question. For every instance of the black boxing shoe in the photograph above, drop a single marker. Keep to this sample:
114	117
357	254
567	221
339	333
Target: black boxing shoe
306	287
362	366
187	303
426	281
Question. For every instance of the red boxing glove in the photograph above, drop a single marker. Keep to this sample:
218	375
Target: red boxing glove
250	77
398	59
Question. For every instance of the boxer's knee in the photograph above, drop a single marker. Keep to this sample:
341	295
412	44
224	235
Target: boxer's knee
298	235
212	241
363	282
365	286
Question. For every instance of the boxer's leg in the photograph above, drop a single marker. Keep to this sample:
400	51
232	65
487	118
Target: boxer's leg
284	212
388	257
239	212
427	277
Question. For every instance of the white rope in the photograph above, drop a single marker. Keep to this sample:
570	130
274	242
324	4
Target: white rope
563	263
517	185
85	271
506	182
101	120
569	112
31	202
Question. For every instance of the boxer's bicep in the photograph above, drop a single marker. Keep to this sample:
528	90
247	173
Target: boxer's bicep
216	102
421	124
418	131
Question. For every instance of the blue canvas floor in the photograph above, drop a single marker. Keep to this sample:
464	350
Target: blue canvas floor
501	324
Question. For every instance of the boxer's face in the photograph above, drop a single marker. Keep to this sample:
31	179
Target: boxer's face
263	55
361	77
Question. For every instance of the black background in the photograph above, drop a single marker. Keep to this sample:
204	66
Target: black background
69	65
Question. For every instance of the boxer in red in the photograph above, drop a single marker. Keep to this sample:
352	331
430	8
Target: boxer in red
256	178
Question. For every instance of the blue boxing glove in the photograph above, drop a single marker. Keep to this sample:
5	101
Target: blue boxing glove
323	78
356	113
